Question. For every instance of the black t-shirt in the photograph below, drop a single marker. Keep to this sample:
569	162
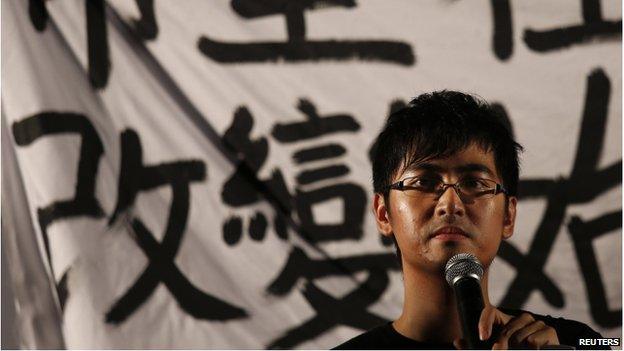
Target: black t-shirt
386	337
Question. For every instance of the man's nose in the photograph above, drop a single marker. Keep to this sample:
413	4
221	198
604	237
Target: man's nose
450	203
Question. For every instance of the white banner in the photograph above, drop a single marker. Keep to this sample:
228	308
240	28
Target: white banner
197	173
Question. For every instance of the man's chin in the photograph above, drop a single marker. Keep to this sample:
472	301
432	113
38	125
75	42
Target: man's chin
435	260
446	250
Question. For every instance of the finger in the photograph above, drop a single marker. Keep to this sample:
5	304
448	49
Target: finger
516	324
485	322
500	345
542	337
512	326
491	316
517	338
459	344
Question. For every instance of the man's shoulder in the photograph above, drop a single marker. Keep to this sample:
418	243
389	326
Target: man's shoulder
368	340
568	331
385	337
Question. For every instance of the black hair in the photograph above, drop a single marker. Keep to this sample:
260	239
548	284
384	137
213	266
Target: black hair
440	124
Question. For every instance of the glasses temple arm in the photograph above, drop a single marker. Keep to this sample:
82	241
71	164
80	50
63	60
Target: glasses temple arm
500	189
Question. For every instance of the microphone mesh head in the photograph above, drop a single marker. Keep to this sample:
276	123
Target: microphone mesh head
462	265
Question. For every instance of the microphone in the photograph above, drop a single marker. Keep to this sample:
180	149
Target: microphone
463	273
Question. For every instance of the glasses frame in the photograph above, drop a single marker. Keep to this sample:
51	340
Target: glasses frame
400	185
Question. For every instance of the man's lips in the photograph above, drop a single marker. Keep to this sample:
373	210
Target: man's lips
450	233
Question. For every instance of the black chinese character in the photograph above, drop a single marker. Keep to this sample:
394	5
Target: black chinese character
583	234
134	177
298	48
146	26
349	310
244	188
84	202
502	40
97	40
314	126
594	27
585	183
351	195
38	14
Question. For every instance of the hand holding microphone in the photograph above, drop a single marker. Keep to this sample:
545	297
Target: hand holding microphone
463	273
521	331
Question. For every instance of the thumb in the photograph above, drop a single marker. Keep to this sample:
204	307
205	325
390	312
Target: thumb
490	317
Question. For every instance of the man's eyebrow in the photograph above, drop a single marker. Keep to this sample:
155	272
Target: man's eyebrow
474	167
425	167
467	168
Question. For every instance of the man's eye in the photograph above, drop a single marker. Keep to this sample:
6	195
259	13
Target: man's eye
474	184
425	183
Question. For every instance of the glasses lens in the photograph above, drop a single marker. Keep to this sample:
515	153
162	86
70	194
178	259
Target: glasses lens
431	187
477	187
422	187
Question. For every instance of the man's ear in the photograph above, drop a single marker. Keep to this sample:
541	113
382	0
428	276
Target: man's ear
510	217
382	217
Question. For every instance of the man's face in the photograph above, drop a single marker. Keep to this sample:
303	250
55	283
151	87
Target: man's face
431	230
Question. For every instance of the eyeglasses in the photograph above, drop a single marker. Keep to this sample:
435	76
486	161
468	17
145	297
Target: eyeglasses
468	189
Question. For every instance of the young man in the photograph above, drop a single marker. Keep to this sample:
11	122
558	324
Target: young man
445	175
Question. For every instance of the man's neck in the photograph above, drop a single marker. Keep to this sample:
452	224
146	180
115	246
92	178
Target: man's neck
429	308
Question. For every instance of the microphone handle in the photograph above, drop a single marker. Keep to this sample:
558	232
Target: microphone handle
470	305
